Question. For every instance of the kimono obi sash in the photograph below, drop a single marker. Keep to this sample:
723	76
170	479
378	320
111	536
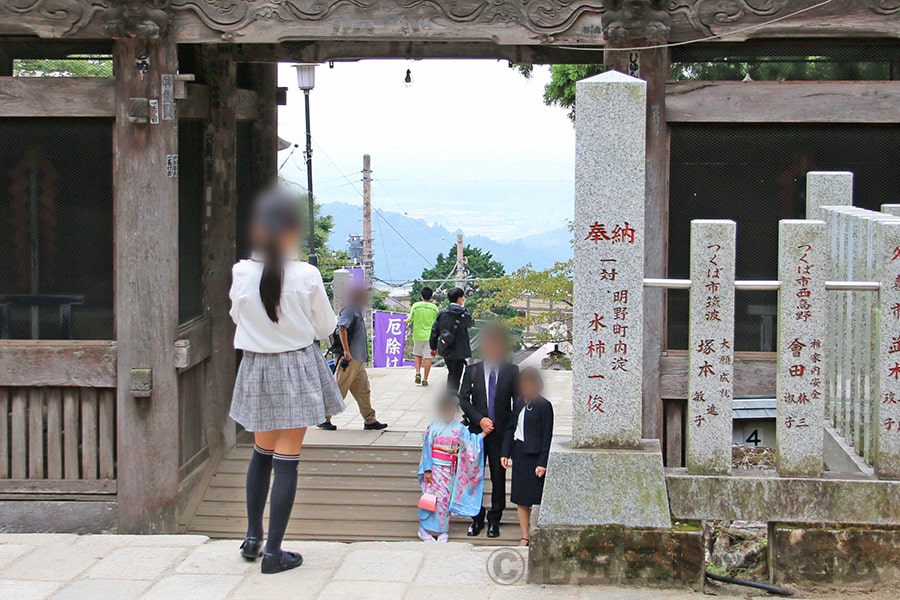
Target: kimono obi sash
446	458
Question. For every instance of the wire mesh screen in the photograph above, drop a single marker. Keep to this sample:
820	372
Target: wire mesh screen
756	175
56	220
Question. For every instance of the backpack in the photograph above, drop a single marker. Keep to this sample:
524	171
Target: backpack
335	347
448	334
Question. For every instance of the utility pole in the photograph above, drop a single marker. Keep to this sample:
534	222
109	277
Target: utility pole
460	263
367	255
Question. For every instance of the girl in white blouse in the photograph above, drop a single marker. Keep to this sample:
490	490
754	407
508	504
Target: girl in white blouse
283	385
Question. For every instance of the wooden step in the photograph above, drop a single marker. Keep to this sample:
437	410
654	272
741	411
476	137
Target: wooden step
344	494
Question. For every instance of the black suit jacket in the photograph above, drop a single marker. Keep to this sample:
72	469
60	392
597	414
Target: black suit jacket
538	430
474	401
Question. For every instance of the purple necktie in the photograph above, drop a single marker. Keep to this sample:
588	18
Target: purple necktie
492	393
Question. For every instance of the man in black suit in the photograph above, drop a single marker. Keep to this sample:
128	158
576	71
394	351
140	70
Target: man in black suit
486	397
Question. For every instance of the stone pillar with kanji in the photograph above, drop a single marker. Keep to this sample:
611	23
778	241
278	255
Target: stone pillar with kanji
802	325
606	474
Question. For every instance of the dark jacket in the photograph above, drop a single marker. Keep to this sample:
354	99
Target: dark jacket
461	349
473	398
538	430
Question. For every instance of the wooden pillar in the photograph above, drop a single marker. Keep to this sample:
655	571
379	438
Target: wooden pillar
145	191
219	157
653	67
264	80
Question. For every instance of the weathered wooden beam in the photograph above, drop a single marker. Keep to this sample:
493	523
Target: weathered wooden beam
504	22
58	363
194	343
146	290
58	486
264	130
57	97
58	515
219	238
321	51
754	375
196	105
245	108
783	102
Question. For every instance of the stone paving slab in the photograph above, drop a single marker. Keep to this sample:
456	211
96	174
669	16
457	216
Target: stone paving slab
407	408
101	567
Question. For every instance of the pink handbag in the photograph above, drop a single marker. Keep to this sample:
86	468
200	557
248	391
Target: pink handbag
428	502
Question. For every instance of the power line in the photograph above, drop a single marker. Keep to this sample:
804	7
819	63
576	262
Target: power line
377	212
708	38
400	235
387	263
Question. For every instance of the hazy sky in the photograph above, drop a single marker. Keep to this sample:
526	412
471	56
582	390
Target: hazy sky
470	144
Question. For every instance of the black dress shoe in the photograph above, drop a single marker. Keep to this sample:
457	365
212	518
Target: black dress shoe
376	425
251	549
475	528
327	426
275	563
493	530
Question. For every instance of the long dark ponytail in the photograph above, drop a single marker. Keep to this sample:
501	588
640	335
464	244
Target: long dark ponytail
276	213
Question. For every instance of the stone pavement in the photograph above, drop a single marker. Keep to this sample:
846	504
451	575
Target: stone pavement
171	567
407	408
123	567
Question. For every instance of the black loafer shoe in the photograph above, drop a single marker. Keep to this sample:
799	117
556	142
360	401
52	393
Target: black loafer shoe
274	563
374	425
474	529
493	530
251	549
327	426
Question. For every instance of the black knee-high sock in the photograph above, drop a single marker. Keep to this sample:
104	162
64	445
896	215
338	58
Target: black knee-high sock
259	472
281	501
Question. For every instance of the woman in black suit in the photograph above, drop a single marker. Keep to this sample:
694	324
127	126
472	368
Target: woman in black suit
526	446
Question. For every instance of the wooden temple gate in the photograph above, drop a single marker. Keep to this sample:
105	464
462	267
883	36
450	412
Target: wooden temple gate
115	428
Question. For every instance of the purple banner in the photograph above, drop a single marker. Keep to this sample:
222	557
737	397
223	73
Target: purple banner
357	276
389	340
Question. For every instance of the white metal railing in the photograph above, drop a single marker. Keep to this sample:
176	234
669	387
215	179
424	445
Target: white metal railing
838	344
765	285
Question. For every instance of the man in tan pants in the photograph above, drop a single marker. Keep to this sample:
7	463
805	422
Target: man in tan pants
351	370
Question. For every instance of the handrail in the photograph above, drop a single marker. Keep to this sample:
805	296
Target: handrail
765	285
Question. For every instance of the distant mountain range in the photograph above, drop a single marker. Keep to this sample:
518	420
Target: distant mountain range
396	261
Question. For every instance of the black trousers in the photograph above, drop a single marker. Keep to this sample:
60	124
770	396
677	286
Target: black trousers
455	370
492	447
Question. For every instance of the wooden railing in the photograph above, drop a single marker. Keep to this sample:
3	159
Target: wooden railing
55	434
57	417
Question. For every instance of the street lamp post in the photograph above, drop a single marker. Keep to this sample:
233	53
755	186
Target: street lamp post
306	81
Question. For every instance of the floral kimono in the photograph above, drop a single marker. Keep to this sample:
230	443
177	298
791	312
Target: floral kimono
455	457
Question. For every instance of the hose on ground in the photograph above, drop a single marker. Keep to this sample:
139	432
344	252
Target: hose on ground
768	587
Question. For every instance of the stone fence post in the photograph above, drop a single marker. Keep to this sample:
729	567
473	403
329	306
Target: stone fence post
711	338
802	325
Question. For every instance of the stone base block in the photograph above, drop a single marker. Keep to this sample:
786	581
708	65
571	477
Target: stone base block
616	555
835	556
605	487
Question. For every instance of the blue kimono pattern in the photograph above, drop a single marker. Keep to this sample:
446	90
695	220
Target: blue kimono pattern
455	457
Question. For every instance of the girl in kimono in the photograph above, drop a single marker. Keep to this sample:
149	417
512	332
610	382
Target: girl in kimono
452	469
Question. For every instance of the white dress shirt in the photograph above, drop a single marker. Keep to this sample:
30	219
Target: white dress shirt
487	377
304	314
520	425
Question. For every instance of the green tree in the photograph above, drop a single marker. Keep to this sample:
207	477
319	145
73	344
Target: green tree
480	265
553	285
77	66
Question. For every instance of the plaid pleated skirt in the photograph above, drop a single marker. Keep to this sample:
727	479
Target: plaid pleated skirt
284	390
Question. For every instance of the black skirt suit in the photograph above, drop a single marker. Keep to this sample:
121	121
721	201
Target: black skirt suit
527	488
